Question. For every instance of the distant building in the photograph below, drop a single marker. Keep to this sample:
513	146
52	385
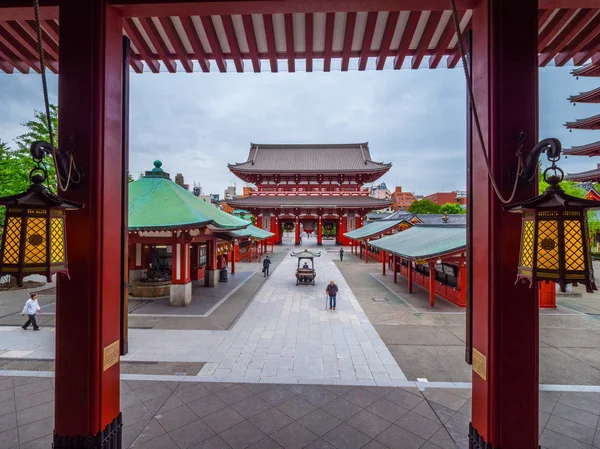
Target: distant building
214	198
229	193
441	198
401	200
381	192
180	182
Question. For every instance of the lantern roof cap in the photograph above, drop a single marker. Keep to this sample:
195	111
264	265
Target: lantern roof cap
553	197
305	254
38	195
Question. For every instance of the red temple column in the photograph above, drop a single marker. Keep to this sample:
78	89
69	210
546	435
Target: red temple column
547	295
431	284
320	231
181	283
233	255
211	274
395	265
367	251
258	221
462	283
249	250
88	304
297	231
382	262
409	276
361	250
505	81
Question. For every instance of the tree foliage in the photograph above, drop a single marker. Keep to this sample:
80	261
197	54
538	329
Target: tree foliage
424	207
452	208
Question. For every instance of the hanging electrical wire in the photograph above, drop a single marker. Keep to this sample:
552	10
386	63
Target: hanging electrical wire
519	153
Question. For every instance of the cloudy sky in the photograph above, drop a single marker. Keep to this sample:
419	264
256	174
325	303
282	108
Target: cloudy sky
197	123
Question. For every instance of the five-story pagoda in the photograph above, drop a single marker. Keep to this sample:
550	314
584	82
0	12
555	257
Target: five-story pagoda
316	187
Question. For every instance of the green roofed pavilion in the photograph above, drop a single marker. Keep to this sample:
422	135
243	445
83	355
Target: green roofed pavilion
422	242
252	232
373	229
157	203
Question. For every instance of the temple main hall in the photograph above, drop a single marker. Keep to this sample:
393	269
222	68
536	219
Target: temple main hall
315	188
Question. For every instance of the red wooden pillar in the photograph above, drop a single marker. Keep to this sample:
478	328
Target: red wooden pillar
431	284
395	267
547	295
505	76
462	283
409	276
249	250
211	273
88	304
258	221
360	251
233	255
297	231
382	262
320	231
367	251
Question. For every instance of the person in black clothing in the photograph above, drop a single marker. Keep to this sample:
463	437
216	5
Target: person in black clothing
341	253
331	291
266	264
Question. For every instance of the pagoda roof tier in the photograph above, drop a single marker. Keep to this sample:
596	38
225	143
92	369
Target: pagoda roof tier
585	123
587	70
590	175
271	202
157	203
309	158
590	149
591	96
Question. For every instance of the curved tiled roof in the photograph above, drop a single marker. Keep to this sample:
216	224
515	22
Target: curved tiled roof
309	201
591	96
585	123
371	229
590	149
316	158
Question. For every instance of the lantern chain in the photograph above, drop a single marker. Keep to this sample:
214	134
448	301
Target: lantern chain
519	152
63	184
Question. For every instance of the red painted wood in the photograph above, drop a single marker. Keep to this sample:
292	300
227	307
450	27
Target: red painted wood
213	41
297	231
88	304
50	26
430	27
410	276
136	38
431	284
454	58
270	35
553	27
367	40
505	406
320	232
251	39
348	34
194	40
19	50
588	51
386	40
383	261
444	41
547	295
566	35
27	37
308	31
289	42
162	50
180	51
409	31
329	23
579	41
234	46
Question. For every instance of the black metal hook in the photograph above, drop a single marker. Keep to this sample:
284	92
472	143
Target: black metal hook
551	146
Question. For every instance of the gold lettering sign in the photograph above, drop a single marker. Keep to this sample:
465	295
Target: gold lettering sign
479	364
111	355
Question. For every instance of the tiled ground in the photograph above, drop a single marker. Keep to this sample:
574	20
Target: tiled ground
174	415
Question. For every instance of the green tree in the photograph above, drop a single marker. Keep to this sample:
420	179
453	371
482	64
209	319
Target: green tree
129	177
452	208
424	207
14	173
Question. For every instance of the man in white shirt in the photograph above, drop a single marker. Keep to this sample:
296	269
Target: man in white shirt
31	308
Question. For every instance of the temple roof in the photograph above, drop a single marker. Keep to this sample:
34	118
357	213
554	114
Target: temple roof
590	149
274	201
252	232
590	175
313	158
423	218
157	203
585	123
587	70
591	96
422	242
373	229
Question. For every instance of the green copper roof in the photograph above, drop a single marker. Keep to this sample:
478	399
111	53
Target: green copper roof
253	232
425	241
157	203
377	227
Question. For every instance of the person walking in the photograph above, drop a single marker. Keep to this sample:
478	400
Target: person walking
266	264
331	291
341	253
31	308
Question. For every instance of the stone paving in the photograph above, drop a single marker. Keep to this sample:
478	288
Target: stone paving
215	415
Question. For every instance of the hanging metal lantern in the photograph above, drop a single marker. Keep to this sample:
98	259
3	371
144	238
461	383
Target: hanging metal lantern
328	227
34	240
288	227
554	235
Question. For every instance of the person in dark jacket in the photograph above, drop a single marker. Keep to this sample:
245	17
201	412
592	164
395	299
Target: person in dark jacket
266	264
331	291
341	253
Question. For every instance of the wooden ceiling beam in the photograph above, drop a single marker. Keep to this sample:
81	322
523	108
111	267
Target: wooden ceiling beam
234	47
583	16
445	39
140	44
407	36
270	35
348	35
367	40
251	39
309	37
581	40
177	44
423	45
288	21
162	50
329	23
192	35
30	44
386	40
